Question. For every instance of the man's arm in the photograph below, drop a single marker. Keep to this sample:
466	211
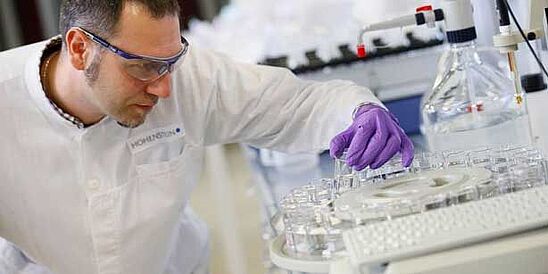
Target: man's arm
225	101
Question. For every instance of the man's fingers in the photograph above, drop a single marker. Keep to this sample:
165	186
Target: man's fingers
374	147
340	142
407	151
392	147
358	145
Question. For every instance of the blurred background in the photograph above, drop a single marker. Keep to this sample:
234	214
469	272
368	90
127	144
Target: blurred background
28	21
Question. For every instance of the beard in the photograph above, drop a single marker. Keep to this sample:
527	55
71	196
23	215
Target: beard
105	97
91	73
131	122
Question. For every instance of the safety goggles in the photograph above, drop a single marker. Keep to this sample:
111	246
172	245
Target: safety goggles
144	68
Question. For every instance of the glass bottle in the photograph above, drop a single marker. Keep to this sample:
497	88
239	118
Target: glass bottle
472	104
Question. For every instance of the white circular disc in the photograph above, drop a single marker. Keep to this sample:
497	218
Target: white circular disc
407	190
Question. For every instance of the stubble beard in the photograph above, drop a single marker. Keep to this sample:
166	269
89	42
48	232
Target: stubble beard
91	74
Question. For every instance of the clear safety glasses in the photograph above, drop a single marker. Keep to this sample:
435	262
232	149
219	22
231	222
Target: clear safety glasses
144	68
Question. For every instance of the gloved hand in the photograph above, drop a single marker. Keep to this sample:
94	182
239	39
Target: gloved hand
372	139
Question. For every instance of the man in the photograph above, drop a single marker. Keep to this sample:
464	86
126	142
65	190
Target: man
104	129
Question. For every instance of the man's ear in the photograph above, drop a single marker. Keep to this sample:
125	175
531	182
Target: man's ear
79	49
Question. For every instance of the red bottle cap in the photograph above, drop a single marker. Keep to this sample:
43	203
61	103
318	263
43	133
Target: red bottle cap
361	51
424	8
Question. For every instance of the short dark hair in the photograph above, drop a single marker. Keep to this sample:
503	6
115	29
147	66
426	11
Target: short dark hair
101	16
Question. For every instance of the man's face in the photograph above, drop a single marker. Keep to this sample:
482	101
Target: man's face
112	90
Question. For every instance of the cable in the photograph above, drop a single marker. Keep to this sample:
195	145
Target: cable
525	38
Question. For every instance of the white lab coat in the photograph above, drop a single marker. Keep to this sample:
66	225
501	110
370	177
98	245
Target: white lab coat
108	199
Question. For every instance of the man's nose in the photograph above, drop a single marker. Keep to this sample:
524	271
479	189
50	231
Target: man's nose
160	87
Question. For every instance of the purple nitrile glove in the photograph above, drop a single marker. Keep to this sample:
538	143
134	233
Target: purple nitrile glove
372	139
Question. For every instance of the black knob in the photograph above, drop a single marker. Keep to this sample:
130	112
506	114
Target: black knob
533	82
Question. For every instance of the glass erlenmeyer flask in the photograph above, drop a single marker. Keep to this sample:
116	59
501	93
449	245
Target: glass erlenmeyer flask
472	104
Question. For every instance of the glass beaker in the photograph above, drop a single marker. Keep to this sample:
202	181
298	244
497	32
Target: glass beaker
472	103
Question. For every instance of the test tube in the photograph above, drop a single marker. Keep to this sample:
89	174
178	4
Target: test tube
436	160
487	190
465	194
289	229
344	175
421	162
503	183
455	159
325	189
480	157
527	175
434	201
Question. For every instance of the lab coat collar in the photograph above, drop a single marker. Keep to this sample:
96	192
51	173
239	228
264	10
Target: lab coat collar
34	86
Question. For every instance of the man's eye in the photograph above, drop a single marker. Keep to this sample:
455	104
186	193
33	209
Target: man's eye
150	66
134	65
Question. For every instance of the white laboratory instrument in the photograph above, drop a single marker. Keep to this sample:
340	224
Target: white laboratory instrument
472	103
413	193
442	229
537	100
314	218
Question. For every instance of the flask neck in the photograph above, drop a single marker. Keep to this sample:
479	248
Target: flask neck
469	45
465	53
